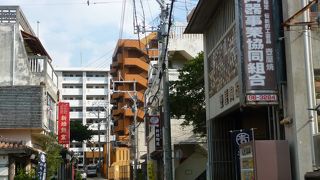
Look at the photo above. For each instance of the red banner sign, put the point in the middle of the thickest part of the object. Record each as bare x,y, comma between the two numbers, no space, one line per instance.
64,123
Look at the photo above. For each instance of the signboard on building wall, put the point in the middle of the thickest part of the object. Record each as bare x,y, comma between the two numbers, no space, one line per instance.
223,79
258,63
158,137
64,123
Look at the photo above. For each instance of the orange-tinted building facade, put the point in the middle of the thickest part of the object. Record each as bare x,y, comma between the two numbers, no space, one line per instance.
129,65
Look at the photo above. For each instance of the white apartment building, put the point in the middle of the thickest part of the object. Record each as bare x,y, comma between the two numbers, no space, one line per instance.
88,92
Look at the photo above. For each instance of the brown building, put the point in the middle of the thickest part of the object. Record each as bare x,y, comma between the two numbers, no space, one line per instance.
129,70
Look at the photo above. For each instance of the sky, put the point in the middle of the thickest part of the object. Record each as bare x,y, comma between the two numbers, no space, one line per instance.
76,34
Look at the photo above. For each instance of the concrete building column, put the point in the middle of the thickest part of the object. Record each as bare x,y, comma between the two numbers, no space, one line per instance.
299,132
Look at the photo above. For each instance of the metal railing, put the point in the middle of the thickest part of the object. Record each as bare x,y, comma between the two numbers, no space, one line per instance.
177,32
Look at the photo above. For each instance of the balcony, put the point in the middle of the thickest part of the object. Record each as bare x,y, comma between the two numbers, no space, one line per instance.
117,95
76,115
96,103
95,138
140,114
74,103
137,62
95,149
136,77
72,91
117,112
140,96
97,91
97,80
123,125
94,115
72,80
41,67
95,126
76,149
173,75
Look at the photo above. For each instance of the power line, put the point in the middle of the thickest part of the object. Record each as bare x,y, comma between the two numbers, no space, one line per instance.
122,18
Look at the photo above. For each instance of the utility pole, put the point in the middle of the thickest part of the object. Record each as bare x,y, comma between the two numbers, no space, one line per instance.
134,98
99,139
135,123
163,60
108,119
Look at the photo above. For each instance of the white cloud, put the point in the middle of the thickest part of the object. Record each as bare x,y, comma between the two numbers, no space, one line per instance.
69,28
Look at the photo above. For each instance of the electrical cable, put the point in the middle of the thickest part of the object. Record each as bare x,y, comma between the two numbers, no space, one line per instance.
122,18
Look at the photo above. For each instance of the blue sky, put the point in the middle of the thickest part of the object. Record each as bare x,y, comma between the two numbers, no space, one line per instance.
78,35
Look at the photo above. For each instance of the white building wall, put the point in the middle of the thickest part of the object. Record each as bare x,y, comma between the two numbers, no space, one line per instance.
86,92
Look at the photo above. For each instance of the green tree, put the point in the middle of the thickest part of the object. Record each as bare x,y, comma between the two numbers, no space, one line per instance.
187,95
49,144
80,132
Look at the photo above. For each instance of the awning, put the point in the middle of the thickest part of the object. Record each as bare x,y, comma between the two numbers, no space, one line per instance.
33,45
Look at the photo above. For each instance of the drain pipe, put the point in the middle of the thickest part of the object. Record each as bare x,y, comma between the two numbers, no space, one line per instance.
310,78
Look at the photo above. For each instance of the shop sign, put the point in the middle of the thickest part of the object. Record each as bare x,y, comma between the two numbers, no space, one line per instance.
238,137
42,167
259,70
158,137
153,120
150,170
64,123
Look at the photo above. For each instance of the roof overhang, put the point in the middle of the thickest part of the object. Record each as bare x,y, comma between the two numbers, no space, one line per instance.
201,16
33,45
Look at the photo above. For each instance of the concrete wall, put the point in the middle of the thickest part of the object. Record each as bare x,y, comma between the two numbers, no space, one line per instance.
192,167
13,58
17,135
21,107
299,132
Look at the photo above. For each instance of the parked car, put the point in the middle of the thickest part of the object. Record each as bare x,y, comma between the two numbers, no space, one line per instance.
91,170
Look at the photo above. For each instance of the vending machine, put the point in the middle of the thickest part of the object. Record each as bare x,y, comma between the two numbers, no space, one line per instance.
265,160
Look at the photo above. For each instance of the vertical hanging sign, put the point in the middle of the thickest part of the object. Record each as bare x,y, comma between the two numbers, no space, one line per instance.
64,123
238,137
259,73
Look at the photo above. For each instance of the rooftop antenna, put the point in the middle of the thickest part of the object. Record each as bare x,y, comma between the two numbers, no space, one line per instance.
81,58
38,22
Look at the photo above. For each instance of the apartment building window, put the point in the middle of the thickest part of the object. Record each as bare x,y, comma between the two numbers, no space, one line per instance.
71,97
95,74
95,109
96,86
90,121
71,86
76,109
96,97
76,120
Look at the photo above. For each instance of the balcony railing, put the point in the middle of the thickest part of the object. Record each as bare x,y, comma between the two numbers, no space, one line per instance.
94,114
72,91
41,65
95,126
97,80
96,103
97,91
177,32
72,80
74,103
95,138
76,115
173,75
